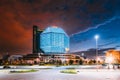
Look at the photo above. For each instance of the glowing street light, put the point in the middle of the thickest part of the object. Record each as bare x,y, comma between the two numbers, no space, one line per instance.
96,39
109,60
98,59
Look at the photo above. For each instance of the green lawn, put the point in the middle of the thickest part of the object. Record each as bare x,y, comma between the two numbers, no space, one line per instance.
23,71
69,71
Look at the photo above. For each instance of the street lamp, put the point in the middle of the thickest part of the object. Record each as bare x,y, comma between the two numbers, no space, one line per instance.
110,60
39,55
96,39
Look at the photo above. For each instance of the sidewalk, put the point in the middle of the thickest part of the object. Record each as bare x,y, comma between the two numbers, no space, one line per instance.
98,70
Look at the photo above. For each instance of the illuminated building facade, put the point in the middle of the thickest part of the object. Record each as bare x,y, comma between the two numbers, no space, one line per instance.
54,41
113,56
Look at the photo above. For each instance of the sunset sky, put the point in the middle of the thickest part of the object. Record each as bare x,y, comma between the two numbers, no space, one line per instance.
81,19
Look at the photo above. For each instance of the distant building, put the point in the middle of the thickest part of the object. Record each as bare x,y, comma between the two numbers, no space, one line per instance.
51,59
15,57
113,56
36,40
32,58
54,40
5,57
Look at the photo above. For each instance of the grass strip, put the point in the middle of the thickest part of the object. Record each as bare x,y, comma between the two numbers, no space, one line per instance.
24,71
69,71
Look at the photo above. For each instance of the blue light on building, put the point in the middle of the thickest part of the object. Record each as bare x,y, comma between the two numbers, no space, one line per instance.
54,40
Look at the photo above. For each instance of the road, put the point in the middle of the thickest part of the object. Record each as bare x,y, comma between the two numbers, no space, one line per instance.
54,74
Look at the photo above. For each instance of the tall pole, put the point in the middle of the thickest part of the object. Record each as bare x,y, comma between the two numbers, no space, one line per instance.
96,39
96,51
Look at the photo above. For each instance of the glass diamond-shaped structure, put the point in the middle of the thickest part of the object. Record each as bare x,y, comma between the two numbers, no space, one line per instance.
54,40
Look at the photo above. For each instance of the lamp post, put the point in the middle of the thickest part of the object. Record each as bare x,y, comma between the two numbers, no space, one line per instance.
96,39
110,60
39,55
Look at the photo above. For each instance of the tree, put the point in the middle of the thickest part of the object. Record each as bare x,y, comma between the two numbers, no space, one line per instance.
80,61
0,61
94,61
60,62
76,61
71,62
90,62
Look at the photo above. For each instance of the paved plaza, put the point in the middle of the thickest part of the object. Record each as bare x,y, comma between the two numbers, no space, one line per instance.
54,74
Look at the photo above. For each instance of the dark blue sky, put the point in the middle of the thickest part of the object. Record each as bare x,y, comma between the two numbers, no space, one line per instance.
109,36
81,19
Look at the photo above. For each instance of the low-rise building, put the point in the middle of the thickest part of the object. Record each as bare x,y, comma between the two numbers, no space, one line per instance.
113,56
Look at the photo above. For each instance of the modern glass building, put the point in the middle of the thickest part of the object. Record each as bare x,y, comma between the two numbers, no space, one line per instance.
54,41
36,40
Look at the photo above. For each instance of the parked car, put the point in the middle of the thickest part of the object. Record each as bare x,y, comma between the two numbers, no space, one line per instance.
6,67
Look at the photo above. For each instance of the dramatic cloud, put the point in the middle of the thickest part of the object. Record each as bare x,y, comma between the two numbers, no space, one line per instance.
18,16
